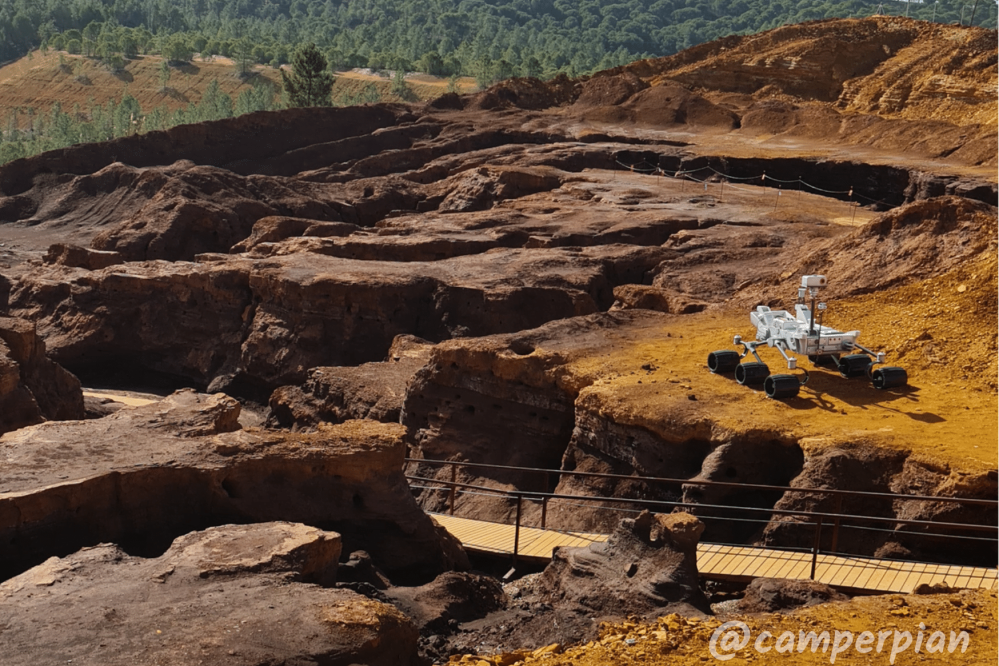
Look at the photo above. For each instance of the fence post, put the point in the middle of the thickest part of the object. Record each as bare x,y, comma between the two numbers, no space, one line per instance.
454,477
544,500
815,546
516,530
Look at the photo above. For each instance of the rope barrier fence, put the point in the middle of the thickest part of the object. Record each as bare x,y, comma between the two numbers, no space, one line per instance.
807,524
646,167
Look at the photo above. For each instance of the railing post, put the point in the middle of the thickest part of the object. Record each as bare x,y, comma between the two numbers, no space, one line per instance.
454,487
516,530
815,546
835,534
544,511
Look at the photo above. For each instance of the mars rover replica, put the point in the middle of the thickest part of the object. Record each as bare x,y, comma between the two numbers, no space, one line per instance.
799,333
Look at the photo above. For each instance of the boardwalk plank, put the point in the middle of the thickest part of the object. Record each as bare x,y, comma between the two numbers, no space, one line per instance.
739,562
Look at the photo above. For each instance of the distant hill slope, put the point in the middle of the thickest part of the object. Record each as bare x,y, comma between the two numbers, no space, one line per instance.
898,85
39,81
525,37
890,67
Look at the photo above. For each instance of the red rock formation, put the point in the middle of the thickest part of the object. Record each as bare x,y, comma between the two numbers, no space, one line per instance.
338,394
143,476
32,388
250,326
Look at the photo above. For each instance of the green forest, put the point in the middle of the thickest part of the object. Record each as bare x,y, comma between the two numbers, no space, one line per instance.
489,40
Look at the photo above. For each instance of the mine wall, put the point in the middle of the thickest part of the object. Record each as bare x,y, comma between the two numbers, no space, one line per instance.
879,186
474,398
224,321
248,325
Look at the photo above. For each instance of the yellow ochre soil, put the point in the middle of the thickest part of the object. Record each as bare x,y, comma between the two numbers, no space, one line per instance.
941,330
676,641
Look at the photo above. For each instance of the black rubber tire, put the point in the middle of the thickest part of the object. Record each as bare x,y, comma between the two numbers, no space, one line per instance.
723,361
854,365
824,360
749,374
781,387
889,377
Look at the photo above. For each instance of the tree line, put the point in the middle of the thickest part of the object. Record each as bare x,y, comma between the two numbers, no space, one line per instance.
28,131
488,40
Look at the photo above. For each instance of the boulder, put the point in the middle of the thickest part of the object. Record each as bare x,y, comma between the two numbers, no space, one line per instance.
234,595
81,257
769,595
647,567
278,227
450,599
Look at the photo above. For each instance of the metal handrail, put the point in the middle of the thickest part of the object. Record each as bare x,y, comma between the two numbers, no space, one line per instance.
530,495
819,517
697,482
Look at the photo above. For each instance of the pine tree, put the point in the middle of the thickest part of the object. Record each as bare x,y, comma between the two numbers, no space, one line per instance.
164,75
310,84
400,88
214,104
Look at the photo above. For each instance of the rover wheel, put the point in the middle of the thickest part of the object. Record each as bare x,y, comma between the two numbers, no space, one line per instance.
781,387
749,374
889,377
854,365
723,361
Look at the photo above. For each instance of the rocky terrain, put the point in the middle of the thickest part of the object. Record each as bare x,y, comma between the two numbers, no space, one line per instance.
227,595
32,387
142,477
530,276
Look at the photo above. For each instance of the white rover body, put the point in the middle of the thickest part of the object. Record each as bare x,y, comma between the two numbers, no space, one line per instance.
799,333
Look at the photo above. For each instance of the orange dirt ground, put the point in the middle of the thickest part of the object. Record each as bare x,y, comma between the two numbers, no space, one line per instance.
675,641
942,330
943,336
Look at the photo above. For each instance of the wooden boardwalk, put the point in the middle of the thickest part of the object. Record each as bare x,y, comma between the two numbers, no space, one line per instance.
736,563
535,544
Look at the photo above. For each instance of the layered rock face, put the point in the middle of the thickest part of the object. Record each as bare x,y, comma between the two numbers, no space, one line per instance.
254,325
531,231
143,476
626,393
337,394
32,387
234,594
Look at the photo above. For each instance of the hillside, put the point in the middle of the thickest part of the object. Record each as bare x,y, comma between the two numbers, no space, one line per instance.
42,79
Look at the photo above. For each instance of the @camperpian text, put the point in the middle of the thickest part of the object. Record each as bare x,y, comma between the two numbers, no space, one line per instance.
736,637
